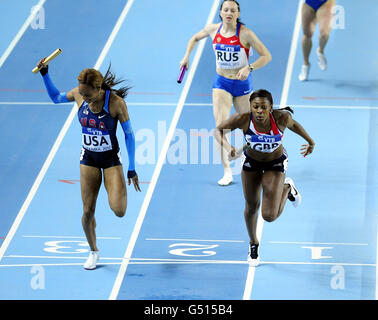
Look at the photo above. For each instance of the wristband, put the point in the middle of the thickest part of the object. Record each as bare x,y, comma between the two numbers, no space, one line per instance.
131,174
44,70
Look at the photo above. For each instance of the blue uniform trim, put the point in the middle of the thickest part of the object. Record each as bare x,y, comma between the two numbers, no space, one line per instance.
55,95
315,4
130,143
235,87
237,29
106,106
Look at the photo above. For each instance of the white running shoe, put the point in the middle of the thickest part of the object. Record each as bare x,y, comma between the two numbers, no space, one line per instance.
303,76
226,180
294,196
322,61
91,262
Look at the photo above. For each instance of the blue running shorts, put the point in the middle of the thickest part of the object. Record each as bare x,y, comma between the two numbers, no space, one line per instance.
235,87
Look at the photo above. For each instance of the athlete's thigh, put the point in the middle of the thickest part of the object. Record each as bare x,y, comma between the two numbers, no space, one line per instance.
272,185
241,103
115,184
251,181
90,183
324,16
308,20
222,102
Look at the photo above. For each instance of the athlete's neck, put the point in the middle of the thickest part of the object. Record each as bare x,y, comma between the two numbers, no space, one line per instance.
262,125
229,28
97,105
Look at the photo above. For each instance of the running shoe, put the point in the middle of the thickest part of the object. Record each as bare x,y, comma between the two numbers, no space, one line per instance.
253,257
226,180
91,262
303,76
294,196
322,61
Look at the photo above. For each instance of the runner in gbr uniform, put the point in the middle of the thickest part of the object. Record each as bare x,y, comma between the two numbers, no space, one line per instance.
313,12
265,161
100,109
232,43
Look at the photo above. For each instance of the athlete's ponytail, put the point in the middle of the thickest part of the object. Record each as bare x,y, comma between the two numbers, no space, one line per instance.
287,108
109,81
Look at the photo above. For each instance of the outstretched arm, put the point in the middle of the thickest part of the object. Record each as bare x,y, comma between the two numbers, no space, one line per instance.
193,42
55,95
237,120
298,129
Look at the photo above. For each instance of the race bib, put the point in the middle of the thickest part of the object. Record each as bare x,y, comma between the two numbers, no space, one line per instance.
96,140
265,143
229,56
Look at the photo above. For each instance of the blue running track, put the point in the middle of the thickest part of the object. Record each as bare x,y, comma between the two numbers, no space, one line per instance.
184,237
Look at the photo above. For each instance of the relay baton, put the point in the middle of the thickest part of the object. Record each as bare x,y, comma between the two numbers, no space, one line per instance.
182,73
48,60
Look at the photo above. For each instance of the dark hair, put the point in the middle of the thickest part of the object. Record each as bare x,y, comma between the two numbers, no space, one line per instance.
237,3
109,81
262,93
96,80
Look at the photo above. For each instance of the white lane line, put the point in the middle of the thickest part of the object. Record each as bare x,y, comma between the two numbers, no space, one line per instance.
20,33
376,272
58,141
54,257
51,264
293,50
161,239
69,237
326,243
161,160
182,261
299,106
285,91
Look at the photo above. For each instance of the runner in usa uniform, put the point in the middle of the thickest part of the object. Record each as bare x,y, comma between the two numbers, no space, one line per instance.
100,109
233,44
313,12
265,161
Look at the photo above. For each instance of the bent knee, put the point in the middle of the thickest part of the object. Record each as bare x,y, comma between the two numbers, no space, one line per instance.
324,32
269,216
252,208
88,213
119,211
307,34
119,214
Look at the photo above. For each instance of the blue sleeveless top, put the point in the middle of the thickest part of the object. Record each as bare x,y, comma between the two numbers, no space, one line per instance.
98,129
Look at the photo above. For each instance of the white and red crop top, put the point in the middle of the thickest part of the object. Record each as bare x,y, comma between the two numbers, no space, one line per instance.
265,142
229,52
